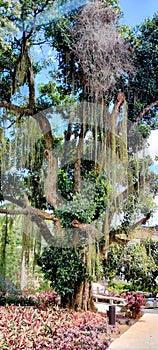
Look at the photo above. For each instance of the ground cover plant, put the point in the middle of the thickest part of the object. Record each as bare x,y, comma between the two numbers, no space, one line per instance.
52,328
37,322
43,299
49,298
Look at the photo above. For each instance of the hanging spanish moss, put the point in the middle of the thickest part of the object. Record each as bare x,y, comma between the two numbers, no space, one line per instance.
22,156
4,238
31,249
21,144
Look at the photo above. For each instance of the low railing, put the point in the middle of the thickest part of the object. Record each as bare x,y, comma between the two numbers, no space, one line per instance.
109,299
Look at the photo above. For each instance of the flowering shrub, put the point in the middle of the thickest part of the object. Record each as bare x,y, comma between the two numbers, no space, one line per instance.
135,303
47,298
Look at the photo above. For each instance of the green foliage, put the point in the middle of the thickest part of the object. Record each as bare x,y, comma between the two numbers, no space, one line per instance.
129,208
134,263
143,86
81,208
152,249
16,244
144,129
113,260
10,299
155,184
64,268
139,267
120,287
91,202
9,255
10,13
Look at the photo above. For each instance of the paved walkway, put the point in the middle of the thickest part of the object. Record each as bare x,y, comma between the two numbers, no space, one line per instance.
143,335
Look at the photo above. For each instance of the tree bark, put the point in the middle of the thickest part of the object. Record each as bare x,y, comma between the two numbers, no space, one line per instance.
146,109
83,298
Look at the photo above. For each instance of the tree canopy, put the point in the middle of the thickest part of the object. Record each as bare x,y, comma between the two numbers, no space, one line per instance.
136,263
72,160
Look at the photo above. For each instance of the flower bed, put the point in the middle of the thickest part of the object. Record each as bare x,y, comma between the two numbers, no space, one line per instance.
50,328
53,328
35,322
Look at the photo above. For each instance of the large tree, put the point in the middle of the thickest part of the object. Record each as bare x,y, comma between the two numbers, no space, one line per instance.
96,171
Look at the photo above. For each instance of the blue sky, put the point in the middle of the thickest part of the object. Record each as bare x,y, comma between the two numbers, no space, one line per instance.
135,11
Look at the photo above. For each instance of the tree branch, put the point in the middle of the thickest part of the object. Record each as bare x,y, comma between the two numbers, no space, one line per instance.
146,109
141,221
113,235
43,42
30,211
39,9
119,101
35,215
45,128
88,228
15,108
113,238
39,117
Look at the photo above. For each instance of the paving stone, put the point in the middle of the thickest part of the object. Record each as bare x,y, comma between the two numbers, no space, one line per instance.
143,335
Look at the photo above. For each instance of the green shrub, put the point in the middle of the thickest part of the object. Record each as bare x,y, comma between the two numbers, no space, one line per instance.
64,268
9,299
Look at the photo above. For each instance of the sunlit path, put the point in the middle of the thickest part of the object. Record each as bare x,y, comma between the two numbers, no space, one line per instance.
141,336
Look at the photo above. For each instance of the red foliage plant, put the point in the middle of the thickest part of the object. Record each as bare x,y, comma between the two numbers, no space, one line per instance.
135,303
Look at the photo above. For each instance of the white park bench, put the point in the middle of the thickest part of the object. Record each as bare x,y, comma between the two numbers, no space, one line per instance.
99,294
110,299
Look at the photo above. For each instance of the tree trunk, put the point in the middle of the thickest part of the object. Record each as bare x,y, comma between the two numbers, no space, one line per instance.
83,298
